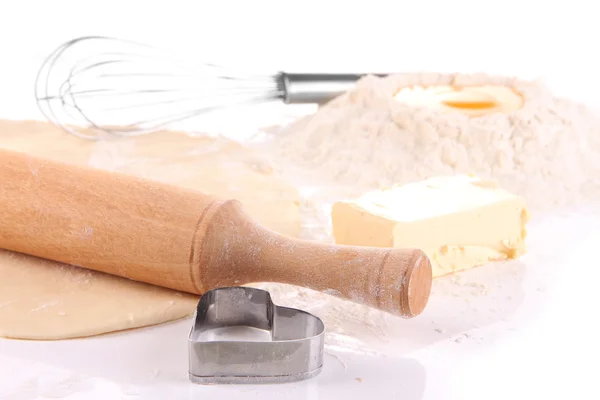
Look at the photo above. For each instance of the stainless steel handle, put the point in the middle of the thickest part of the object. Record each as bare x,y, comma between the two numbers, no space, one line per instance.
315,88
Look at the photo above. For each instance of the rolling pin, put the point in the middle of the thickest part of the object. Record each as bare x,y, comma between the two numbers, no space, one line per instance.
186,240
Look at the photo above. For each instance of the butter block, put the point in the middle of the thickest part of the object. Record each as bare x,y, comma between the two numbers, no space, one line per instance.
460,222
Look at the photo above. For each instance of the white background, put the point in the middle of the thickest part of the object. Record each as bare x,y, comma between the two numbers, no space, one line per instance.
548,347
556,41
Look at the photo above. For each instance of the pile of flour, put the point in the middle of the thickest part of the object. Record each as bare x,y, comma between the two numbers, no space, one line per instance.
548,151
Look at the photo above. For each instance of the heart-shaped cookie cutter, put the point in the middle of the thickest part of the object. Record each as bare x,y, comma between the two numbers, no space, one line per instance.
292,349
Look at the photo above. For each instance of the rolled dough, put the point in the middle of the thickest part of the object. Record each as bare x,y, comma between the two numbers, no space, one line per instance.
40,299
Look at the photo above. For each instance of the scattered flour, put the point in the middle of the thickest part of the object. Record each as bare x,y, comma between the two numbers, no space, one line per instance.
547,151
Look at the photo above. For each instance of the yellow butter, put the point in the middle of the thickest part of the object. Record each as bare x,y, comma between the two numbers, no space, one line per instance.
460,222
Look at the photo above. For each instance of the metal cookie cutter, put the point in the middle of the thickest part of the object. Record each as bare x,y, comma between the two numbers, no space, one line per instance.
291,348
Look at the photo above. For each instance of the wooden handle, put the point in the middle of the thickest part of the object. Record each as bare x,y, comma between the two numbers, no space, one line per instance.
186,240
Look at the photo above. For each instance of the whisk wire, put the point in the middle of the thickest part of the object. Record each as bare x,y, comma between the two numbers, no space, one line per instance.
95,86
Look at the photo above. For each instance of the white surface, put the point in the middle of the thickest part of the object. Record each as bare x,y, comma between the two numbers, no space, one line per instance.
532,334
542,344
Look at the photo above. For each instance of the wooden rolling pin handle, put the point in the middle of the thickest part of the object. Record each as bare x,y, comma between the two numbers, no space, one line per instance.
233,249
185,240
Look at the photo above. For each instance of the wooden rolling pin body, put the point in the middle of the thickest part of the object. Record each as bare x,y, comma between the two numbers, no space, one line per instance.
185,240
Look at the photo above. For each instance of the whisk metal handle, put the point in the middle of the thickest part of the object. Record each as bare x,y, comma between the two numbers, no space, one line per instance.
315,87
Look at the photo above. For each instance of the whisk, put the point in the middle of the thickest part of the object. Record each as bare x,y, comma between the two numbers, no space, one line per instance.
97,86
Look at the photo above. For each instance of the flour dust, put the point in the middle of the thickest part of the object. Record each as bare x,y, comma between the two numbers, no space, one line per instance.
548,152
